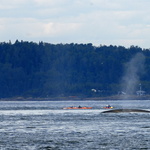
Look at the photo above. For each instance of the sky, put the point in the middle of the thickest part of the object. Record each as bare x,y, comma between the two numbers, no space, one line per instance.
100,22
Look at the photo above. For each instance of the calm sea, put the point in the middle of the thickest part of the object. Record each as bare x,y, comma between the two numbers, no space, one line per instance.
45,125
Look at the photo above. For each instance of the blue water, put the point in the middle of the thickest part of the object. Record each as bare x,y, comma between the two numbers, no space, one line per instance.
46,126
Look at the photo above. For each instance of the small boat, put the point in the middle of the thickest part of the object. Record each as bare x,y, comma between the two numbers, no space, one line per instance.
77,107
108,107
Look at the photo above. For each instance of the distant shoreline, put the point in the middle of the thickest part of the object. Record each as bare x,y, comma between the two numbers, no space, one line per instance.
76,98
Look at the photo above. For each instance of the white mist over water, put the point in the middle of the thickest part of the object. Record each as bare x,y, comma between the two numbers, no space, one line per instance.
134,69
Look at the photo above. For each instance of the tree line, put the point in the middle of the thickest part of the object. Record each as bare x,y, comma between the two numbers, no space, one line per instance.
42,69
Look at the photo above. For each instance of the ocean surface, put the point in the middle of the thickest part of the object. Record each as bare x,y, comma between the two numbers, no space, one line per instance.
45,125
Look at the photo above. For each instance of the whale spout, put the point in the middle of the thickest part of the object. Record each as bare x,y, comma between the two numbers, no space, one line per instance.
126,111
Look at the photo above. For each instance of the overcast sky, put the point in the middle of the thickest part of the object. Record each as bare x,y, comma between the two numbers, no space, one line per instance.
100,22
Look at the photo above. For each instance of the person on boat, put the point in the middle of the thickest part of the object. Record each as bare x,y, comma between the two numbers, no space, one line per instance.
108,106
79,106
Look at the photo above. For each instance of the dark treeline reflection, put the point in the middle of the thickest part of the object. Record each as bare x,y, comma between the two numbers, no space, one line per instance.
48,70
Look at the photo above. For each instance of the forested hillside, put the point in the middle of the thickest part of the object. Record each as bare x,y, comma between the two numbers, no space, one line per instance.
41,69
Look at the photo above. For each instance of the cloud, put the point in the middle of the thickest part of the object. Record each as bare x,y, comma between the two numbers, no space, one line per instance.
107,22
60,28
6,4
29,28
47,3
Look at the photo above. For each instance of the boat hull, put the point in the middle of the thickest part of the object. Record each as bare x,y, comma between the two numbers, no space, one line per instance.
78,108
107,107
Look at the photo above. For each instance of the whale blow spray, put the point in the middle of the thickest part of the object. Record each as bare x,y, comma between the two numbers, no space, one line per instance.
134,69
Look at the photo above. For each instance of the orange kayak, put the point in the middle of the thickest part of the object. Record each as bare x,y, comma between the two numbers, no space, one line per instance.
77,108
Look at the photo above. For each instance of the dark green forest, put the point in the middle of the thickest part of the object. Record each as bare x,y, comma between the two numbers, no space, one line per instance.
29,69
